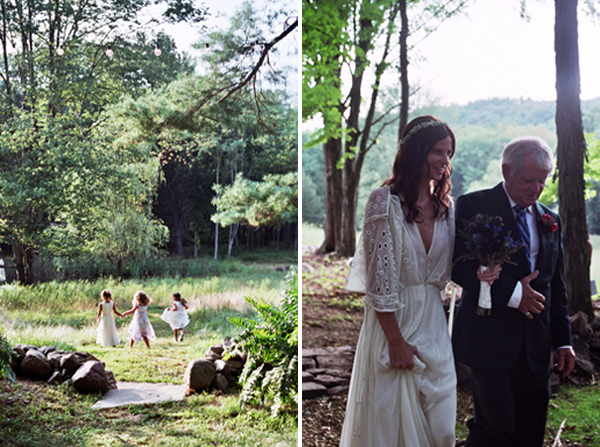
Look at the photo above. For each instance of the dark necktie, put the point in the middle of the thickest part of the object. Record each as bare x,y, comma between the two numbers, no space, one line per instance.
523,228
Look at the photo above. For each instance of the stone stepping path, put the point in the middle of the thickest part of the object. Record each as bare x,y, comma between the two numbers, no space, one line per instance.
326,371
132,393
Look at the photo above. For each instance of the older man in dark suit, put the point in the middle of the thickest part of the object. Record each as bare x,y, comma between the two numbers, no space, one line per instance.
509,351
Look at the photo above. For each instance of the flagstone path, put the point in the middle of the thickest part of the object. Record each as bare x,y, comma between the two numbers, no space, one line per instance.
129,393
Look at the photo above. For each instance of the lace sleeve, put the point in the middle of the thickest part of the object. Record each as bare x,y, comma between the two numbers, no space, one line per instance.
374,270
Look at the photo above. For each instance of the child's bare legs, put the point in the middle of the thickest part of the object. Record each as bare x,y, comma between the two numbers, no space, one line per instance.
176,335
146,341
131,343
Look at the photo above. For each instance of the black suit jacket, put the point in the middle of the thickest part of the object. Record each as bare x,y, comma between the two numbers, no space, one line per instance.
492,343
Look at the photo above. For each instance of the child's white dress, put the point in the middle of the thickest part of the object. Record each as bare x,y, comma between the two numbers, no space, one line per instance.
140,325
107,331
178,319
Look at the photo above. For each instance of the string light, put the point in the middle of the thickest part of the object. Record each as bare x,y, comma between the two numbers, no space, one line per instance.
207,49
60,51
157,51
257,47
109,53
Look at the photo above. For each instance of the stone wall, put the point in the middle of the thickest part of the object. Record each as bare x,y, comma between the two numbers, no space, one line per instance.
326,371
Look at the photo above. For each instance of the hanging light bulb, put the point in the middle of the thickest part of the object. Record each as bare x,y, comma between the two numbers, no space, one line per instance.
109,53
207,49
157,51
60,51
257,47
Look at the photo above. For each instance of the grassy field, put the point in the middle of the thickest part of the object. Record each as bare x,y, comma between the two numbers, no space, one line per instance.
64,315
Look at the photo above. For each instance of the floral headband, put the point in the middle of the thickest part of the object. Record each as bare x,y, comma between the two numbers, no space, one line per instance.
415,130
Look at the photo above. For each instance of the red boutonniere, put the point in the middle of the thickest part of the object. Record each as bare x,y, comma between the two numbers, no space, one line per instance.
549,223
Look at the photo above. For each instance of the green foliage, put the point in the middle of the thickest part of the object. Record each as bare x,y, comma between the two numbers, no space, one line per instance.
6,356
591,175
271,370
313,183
272,202
125,233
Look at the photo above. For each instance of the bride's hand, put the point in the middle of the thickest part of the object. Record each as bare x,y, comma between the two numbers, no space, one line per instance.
489,275
402,355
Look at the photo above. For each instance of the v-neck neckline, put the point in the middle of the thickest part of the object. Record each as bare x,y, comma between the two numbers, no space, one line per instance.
425,250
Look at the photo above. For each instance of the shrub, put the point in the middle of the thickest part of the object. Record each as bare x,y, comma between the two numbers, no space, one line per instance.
270,375
6,356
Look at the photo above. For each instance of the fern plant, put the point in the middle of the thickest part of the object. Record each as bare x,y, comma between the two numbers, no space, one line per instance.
6,356
270,375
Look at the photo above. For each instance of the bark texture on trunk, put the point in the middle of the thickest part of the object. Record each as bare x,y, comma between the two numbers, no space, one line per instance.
570,156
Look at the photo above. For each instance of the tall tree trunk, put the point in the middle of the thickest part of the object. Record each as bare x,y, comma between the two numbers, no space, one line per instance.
404,86
347,244
233,229
120,269
570,155
4,41
332,150
23,259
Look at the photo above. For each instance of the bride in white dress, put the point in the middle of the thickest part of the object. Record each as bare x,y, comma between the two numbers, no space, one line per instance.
403,387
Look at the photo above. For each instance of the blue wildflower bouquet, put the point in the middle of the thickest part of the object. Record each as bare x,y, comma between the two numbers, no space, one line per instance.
487,242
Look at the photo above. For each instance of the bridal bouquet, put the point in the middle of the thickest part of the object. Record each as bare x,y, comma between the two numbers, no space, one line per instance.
487,242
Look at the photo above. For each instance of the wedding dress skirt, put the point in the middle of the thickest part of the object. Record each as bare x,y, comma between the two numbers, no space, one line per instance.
389,407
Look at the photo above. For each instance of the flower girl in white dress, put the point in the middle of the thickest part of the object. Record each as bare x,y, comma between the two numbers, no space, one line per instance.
176,316
140,327
107,331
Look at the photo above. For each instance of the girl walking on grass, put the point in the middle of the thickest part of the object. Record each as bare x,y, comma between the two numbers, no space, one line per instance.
140,327
107,331
176,316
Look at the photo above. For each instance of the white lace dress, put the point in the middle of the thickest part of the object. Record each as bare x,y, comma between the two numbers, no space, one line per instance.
388,407
107,331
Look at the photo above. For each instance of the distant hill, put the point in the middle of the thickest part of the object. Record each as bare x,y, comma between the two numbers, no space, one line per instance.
482,129
501,112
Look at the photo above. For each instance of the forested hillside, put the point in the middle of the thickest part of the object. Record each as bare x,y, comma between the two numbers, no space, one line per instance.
482,129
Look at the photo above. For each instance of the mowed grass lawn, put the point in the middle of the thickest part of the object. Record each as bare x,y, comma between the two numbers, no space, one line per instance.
64,315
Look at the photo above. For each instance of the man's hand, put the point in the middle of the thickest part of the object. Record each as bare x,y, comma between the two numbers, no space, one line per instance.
566,360
532,302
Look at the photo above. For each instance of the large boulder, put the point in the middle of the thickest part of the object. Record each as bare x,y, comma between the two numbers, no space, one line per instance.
91,378
579,325
55,358
221,366
56,378
19,355
199,374
112,382
220,382
70,363
35,365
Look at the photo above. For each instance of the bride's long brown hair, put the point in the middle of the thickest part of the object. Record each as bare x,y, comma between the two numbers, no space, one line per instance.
418,138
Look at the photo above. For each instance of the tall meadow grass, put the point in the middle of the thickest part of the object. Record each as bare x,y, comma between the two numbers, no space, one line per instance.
65,312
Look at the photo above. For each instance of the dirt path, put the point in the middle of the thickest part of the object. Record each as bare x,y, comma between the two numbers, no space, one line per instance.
330,317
